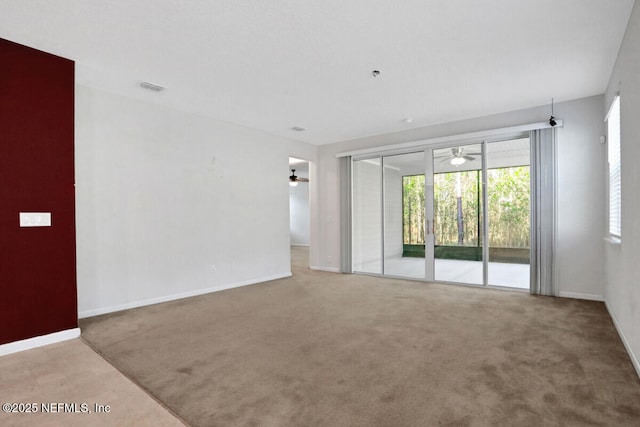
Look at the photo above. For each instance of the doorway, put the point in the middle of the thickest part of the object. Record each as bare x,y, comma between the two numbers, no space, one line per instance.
299,212
459,214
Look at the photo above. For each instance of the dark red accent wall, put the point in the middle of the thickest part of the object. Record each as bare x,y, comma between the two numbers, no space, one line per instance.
37,264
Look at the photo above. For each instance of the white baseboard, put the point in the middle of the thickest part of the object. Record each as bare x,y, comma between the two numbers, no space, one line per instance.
634,359
329,269
29,343
151,301
576,295
300,244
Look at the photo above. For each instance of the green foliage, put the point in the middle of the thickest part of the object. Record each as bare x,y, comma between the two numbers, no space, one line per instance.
445,208
508,197
413,209
509,212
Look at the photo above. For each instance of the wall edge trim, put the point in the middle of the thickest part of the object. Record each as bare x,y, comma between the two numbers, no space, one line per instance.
172,297
578,295
634,359
329,269
40,341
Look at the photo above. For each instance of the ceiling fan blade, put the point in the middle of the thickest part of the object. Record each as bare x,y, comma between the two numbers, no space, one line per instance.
302,179
468,158
446,159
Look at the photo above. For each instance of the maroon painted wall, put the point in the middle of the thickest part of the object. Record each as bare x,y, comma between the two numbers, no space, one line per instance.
37,264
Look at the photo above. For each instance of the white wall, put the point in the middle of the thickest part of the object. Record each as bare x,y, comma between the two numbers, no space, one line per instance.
579,268
171,204
623,261
299,214
581,183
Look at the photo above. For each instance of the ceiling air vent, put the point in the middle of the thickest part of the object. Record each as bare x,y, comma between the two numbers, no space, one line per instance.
151,86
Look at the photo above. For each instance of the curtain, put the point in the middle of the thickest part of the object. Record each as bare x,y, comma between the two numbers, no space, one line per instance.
345,214
543,210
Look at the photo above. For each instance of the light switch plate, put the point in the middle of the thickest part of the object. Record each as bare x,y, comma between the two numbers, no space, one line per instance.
35,219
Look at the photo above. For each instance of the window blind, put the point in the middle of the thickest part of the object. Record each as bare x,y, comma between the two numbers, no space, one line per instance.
613,156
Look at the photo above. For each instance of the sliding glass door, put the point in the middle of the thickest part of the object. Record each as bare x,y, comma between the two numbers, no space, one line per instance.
475,245
404,215
456,214
367,215
509,211
388,226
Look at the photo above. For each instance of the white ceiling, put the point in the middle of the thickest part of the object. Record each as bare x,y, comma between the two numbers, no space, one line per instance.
275,64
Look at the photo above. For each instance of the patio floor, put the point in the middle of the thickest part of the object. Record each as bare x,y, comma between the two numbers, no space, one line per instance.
449,270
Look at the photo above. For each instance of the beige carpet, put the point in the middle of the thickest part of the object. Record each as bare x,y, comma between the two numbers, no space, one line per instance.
323,349
69,372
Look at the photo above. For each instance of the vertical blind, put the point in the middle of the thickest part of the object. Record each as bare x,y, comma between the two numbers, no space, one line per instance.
543,210
345,215
613,156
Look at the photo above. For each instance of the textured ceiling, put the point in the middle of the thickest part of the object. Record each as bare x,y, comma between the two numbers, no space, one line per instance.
275,64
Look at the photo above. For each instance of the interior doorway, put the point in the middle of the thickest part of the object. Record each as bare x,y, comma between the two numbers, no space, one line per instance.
299,211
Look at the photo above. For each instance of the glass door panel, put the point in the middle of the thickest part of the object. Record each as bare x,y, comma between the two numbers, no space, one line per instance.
457,214
508,208
367,216
404,215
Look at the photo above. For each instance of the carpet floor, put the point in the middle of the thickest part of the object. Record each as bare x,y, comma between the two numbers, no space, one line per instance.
70,372
324,349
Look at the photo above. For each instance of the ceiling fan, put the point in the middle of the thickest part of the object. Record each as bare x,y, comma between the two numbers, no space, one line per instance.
294,179
458,156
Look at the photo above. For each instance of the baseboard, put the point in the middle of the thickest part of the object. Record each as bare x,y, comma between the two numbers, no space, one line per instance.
29,343
576,295
634,359
300,244
158,300
329,269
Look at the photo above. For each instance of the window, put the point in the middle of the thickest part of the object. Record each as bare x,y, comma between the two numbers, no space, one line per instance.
613,156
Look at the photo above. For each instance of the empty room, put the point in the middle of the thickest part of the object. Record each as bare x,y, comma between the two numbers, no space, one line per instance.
286,213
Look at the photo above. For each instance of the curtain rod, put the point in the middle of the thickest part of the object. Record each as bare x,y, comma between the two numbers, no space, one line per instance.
451,138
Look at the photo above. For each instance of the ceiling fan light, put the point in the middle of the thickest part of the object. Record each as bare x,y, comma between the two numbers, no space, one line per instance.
293,183
457,161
